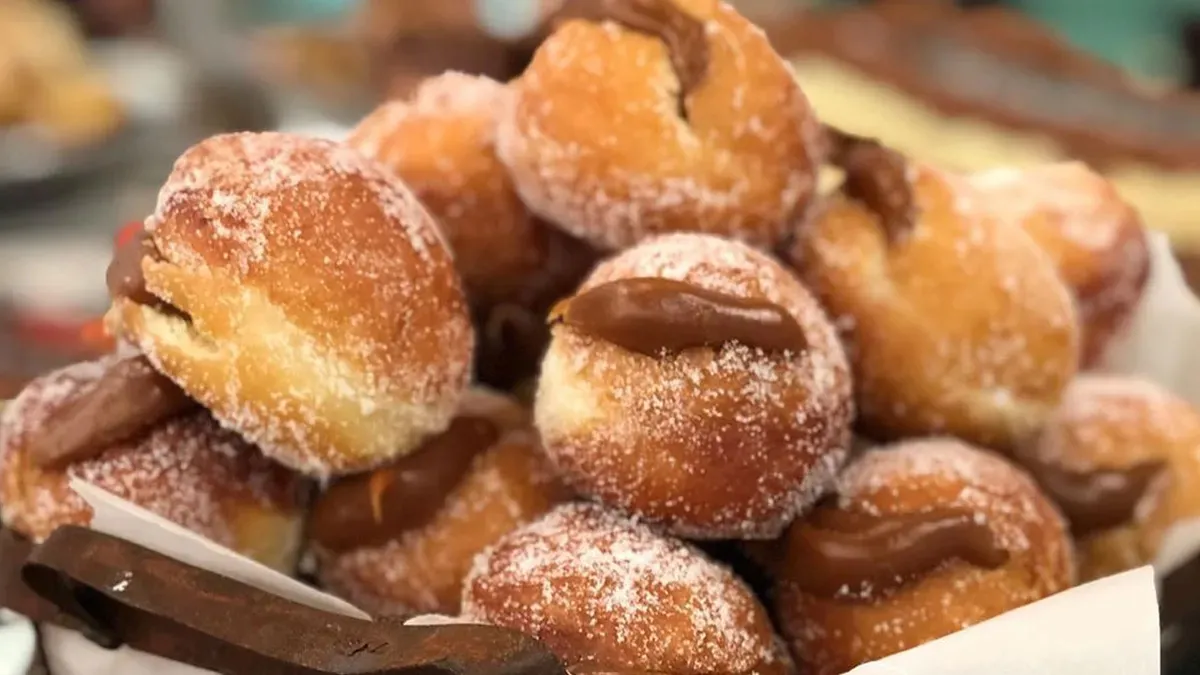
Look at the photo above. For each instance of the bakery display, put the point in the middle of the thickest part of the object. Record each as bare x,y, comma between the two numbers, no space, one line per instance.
1095,238
644,117
921,539
608,595
956,323
46,80
694,382
398,541
586,361
303,295
170,457
1120,458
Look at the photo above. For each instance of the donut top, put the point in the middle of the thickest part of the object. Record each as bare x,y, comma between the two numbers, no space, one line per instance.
685,37
622,581
128,399
654,315
186,469
1107,446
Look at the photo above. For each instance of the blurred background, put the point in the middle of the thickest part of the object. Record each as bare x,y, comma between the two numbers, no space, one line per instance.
97,97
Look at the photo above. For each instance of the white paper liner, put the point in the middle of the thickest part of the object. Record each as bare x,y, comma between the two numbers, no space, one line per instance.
69,653
1106,627
18,643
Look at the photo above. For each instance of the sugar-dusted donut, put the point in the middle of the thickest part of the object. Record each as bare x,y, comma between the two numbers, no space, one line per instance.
610,596
184,468
301,293
955,322
1121,457
399,541
644,117
694,382
922,539
1095,238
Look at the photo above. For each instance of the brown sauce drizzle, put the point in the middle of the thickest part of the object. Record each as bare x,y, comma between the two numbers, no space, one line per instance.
652,315
878,177
1093,500
375,508
683,34
129,399
836,553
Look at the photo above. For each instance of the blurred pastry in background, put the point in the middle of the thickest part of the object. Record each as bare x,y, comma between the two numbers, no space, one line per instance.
1094,237
328,62
46,80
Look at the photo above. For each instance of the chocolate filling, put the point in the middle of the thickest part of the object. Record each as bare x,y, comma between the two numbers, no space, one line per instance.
838,553
130,398
1093,500
375,508
683,34
878,177
651,316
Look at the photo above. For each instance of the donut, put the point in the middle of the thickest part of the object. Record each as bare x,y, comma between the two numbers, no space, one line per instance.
922,538
441,142
1094,237
693,382
955,324
302,294
185,468
609,596
400,540
1119,457
644,117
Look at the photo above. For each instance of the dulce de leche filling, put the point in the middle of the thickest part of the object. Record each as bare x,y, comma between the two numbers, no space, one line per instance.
1094,500
652,315
128,399
877,176
684,35
375,508
124,276
837,553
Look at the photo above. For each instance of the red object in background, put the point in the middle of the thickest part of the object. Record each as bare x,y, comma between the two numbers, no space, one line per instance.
127,232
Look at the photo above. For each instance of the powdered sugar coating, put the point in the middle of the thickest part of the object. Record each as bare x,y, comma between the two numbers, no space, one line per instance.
595,142
187,470
603,592
830,636
725,443
329,326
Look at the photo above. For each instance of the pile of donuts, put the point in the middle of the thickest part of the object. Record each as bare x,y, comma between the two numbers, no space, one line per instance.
589,355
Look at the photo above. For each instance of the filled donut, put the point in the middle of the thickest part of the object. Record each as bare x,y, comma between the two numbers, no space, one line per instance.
955,322
922,539
73,424
1120,459
644,117
1095,238
693,382
610,596
301,293
399,541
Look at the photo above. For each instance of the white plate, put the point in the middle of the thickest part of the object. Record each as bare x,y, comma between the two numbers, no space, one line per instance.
18,644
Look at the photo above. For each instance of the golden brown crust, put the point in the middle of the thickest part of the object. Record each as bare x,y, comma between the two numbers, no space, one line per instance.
422,571
441,142
596,145
1095,239
962,328
326,321
187,470
608,595
1108,422
710,444
832,636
